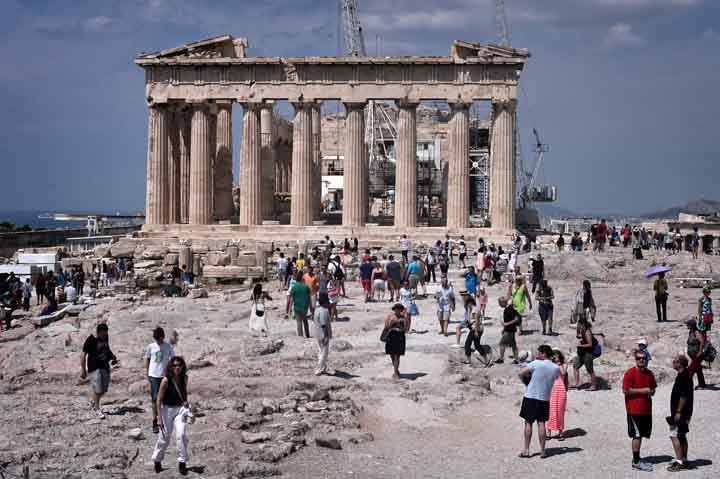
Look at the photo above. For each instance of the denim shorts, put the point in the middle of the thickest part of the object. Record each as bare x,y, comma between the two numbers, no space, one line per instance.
154,387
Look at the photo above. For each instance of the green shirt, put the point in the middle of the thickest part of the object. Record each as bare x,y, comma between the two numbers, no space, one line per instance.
300,293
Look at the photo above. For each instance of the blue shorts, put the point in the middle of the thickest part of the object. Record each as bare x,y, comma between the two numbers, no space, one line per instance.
154,387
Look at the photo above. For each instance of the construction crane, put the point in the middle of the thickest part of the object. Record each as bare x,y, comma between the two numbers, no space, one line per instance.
354,41
501,24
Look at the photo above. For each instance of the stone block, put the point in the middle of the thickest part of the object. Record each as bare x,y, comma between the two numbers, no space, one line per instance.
125,248
171,259
217,245
101,251
225,272
217,259
155,252
245,260
233,251
256,271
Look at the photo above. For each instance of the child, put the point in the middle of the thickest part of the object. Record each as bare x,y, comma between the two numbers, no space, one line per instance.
482,301
333,294
642,345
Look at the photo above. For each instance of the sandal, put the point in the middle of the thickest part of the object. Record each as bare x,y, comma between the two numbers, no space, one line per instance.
524,455
561,437
543,455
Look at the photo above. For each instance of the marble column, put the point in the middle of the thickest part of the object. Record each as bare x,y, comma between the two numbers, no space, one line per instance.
223,173
173,204
301,202
406,167
251,167
277,188
354,167
212,135
502,166
201,193
285,164
156,211
184,117
458,199
268,159
317,158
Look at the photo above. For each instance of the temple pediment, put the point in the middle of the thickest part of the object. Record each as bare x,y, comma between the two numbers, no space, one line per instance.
464,50
224,46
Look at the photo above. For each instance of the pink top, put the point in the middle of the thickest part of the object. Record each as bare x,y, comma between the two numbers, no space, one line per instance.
482,299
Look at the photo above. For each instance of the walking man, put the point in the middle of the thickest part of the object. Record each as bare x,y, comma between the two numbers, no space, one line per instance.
404,248
157,356
323,332
639,387
681,409
446,304
661,295
511,319
95,363
300,293
542,373
394,275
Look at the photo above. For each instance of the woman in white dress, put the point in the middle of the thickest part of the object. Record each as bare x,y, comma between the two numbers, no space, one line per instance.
258,312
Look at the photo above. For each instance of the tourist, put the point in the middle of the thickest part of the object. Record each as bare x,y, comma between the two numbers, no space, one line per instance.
335,268
560,243
473,322
462,250
538,271
404,247
695,242
576,243
323,332
355,245
519,295
601,234
157,355
660,286
300,262
366,272
542,373
70,293
346,246
545,298
639,387
588,301
300,295
27,294
313,282
281,268
40,288
558,398
430,263
95,363
472,280
681,409
423,272
258,312
175,412
482,301
122,268
511,319
104,274
378,283
705,311
414,271
394,278
642,346
449,246
405,295
396,325
626,235
444,265
696,341
333,293
445,298
586,342
637,245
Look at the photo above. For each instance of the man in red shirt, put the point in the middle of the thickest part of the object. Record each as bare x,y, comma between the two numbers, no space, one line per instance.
639,386
602,232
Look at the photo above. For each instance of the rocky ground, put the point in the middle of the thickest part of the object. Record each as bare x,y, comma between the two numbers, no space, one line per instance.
262,412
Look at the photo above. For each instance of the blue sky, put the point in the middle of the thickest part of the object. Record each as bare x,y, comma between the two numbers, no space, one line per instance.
624,91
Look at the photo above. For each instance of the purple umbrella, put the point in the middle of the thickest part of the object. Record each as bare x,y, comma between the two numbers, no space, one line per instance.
657,270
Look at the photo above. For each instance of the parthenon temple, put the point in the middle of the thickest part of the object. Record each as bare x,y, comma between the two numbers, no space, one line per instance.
192,90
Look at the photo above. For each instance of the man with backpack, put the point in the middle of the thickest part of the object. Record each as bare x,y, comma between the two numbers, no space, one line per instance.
336,270
639,387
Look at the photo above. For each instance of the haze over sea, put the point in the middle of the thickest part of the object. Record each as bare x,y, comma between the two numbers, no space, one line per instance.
30,217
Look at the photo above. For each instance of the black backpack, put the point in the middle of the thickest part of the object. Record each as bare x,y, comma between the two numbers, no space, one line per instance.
338,273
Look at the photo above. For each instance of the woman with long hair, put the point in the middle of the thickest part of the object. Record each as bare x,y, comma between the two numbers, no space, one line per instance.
558,398
174,408
397,324
258,313
584,356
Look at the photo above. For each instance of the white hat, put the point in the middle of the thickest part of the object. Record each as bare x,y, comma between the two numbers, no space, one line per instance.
642,341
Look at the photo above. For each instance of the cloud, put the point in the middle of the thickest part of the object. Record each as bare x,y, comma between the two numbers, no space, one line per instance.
98,24
622,35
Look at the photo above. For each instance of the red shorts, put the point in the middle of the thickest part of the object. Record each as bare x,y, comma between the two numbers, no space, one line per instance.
366,285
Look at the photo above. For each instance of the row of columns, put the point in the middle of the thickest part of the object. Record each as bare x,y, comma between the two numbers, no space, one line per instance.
190,165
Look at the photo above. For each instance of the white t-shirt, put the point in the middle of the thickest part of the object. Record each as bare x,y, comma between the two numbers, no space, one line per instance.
70,293
405,297
544,374
282,265
405,244
159,355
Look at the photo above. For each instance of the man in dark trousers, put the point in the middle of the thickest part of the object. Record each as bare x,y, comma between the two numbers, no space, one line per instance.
95,363
681,409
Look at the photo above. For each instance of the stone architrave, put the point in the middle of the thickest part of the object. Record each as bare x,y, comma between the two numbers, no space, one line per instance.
201,192
317,158
502,170
268,159
156,211
174,175
251,167
223,173
355,167
184,118
406,166
301,173
458,199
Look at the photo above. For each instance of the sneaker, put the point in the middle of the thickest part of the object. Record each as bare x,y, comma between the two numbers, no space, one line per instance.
182,468
99,414
499,361
642,466
677,466
455,346
318,372
158,467
155,427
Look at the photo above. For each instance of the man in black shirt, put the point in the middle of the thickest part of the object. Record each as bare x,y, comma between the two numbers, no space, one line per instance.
97,356
511,319
681,409
394,273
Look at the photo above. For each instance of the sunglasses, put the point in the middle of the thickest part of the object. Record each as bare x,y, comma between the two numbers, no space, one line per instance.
640,359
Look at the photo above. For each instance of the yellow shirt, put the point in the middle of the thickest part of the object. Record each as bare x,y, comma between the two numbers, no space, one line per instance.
300,263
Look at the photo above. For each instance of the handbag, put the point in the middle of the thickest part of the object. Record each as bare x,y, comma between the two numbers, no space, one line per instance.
259,309
185,411
384,335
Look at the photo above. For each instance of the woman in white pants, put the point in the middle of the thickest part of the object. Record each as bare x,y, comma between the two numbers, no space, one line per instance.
172,403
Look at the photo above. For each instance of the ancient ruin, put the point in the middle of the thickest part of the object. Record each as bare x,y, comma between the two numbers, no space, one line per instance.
192,89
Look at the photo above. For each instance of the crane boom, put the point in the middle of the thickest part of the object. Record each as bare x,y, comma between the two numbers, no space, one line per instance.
501,23
354,41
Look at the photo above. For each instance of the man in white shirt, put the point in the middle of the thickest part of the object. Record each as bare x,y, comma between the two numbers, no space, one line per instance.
70,293
445,298
282,263
404,248
157,356
539,376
